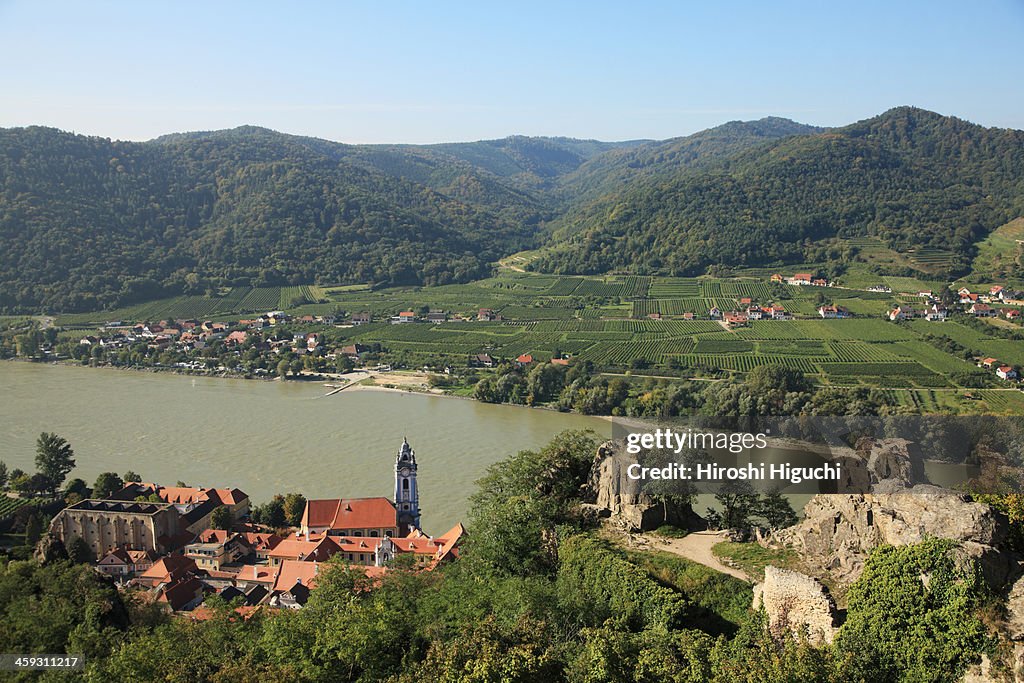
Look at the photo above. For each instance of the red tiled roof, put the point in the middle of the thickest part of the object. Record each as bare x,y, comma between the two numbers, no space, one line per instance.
181,593
350,513
259,573
168,568
292,572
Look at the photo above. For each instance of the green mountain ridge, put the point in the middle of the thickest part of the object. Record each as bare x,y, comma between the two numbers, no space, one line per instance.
910,177
88,223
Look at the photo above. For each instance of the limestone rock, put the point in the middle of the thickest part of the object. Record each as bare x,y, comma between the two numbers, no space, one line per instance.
881,466
798,603
840,530
622,498
49,549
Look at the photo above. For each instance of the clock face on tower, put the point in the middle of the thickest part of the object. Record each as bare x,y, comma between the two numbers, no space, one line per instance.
405,471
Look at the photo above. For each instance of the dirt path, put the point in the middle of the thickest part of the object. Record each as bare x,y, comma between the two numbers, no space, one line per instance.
697,546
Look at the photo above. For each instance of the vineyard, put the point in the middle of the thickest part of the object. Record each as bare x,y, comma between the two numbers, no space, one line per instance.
611,322
8,506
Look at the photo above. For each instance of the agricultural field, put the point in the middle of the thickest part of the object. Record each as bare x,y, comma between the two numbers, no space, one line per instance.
605,320
9,505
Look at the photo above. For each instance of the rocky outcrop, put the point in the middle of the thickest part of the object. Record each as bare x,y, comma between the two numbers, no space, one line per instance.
621,498
840,530
49,549
796,603
881,466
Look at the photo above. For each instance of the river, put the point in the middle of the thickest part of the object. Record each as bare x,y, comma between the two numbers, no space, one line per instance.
266,437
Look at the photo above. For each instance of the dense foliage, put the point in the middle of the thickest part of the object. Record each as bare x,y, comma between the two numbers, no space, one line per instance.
89,223
579,609
910,177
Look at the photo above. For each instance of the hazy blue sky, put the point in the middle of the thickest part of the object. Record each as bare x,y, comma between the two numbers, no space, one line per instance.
441,71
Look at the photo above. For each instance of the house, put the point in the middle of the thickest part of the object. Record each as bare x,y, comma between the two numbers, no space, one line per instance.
901,313
996,291
560,361
925,294
482,360
1006,372
968,298
294,583
819,282
194,504
363,318
754,313
654,316
746,301
167,570
437,317
1011,313
304,549
183,595
988,362
829,311
353,350
487,315
937,312
217,552
880,288
403,317
371,517
776,277
981,311
252,575
715,313
235,338
734,319
776,312
689,316
801,279
524,359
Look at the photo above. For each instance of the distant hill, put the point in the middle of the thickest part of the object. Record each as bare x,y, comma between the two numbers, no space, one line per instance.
87,223
910,177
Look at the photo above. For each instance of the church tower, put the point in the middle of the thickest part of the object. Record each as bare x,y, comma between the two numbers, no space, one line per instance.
407,497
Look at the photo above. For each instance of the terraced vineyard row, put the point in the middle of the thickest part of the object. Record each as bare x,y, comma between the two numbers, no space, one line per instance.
664,287
261,299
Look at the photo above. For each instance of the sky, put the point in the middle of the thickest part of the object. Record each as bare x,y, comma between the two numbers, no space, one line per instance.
421,72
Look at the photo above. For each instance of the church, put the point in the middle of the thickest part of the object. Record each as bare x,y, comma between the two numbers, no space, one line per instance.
370,517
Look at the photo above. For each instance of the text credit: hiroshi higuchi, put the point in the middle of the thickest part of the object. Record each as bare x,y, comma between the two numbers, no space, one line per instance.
734,442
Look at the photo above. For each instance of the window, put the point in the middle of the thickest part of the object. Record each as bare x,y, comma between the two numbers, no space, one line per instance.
405,484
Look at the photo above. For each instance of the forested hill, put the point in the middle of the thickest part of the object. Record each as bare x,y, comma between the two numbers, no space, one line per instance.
610,172
910,177
86,222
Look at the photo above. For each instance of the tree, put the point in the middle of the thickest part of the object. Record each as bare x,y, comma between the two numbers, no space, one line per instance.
282,369
220,518
294,506
54,458
33,530
78,486
272,514
776,510
3,474
79,551
106,484
131,476
739,500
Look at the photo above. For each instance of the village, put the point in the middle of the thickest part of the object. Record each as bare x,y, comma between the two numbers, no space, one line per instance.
178,545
